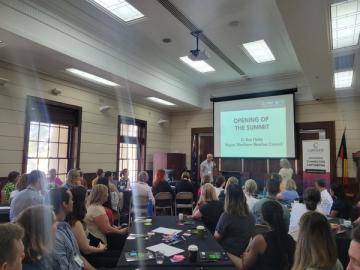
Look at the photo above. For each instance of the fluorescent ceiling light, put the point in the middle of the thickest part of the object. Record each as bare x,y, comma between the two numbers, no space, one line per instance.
259,51
91,77
200,66
161,101
343,79
120,9
345,23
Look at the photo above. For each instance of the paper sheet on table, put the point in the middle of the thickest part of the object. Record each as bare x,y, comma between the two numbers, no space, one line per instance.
167,250
164,230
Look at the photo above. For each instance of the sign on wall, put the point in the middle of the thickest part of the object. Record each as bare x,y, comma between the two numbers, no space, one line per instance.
316,161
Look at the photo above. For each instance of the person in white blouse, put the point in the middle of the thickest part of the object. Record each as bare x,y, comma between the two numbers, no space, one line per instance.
286,173
326,199
250,189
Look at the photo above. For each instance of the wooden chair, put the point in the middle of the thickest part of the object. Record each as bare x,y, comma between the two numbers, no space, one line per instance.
163,201
184,196
138,207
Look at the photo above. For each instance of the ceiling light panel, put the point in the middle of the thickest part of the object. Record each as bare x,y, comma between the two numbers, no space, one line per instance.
161,101
343,79
345,23
200,66
259,51
90,77
120,9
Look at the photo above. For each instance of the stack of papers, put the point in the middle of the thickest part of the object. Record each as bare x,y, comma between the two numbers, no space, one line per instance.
167,250
164,230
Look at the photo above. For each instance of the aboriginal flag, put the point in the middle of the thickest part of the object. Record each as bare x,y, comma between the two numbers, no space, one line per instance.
343,156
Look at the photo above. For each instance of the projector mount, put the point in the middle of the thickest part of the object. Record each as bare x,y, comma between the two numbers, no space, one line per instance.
196,34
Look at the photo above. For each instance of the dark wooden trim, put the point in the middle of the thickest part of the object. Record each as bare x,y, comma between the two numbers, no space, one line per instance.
255,95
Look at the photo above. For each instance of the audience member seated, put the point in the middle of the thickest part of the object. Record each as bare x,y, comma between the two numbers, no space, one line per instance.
11,246
161,185
236,225
230,181
209,208
99,174
285,173
115,196
273,188
219,184
53,179
124,181
205,179
273,250
73,178
354,250
97,222
315,248
9,187
312,199
250,189
96,255
29,196
67,253
341,208
326,200
290,194
110,212
184,185
39,226
141,188
21,184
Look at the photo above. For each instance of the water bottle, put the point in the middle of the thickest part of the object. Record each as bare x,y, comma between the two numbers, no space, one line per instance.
149,208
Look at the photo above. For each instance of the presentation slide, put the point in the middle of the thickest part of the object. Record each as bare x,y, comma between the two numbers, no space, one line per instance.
255,128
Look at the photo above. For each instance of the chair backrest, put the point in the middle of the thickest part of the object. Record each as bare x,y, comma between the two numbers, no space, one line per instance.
163,196
184,196
139,201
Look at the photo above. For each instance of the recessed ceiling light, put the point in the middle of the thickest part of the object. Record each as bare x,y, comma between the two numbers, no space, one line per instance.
343,79
90,77
120,9
200,66
259,51
345,23
161,101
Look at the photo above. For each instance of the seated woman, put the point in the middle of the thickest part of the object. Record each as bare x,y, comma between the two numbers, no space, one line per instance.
219,184
141,188
315,248
112,204
312,199
9,187
341,207
39,227
290,194
231,180
160,184
205,179
273,250
209,208
250,193
184,185
97,222
236,225
21,184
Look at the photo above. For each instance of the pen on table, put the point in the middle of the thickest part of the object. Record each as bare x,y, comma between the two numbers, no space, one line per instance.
183,238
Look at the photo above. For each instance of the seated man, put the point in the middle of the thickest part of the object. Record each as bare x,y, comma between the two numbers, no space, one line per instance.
11,247
273,188
67,253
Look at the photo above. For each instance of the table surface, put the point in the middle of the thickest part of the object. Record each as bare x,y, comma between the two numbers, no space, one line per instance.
206,243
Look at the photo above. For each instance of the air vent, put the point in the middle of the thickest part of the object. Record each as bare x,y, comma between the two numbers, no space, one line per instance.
344,62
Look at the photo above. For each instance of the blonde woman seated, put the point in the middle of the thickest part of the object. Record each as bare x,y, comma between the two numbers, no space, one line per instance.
209,208
73,178
98,224
286,173
231,180
289,195
250,189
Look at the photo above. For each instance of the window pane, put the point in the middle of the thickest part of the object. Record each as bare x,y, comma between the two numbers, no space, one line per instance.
53,164
62,150
32,151
31,165
64,135
43,164
43,149
135,131
34,131
62,166
54,133
53,151
44,132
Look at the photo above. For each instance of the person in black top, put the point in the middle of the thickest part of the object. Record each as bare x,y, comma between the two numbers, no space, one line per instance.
209,208
340,208
161,185
273,250
184,185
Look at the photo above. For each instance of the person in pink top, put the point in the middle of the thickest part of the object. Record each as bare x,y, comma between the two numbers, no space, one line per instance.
53,179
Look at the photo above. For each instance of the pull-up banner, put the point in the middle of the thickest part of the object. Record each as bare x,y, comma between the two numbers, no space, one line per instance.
316,161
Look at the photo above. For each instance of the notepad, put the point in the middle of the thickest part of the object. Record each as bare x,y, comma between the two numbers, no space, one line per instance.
164,230
167,250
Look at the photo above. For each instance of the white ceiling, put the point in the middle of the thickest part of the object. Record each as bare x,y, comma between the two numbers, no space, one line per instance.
297,32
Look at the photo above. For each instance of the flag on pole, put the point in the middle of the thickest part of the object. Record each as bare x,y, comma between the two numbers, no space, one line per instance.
343,156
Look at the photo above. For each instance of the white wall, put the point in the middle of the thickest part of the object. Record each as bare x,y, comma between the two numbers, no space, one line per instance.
99,130
344,111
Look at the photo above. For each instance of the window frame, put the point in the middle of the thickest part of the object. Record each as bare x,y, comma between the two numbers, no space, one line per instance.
141,124
74,137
